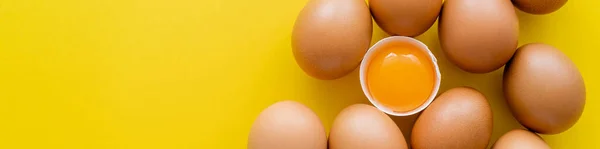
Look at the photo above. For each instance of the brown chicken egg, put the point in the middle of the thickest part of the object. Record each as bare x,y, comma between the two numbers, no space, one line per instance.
405,17
479,36
459,118
539,6
519,138
544,89
362,126
330,37
289,125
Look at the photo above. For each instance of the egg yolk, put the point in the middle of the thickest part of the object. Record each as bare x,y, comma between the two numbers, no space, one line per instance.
400,77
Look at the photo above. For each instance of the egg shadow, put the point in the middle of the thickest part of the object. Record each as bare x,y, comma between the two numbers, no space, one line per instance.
406,123
346,91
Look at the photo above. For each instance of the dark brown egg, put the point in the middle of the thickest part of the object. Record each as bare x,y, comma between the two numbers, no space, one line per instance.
479,36
539,6
289,125
459,118
544,89
519,138
363,126
330,37
405,17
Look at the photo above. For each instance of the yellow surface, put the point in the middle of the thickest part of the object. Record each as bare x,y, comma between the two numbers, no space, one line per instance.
195,73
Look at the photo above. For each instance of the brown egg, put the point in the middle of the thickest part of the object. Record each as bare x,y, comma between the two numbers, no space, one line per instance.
459,118
330,37
405,17
289,125
539,6
544,89
362,126
520,138
479,36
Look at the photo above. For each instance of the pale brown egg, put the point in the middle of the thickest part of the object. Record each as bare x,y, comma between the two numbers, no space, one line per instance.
362,126
544,89
289,125
405,17
459,118
330,37
539,6
478,36
519,138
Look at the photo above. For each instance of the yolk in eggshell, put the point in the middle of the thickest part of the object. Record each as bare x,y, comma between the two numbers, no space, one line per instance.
400,77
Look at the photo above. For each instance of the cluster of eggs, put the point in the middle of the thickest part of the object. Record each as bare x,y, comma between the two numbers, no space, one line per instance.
542,86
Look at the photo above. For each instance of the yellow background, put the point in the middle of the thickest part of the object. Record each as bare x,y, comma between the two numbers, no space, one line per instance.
195,73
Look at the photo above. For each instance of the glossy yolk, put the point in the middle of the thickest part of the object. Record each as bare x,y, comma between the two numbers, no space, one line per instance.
400,77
